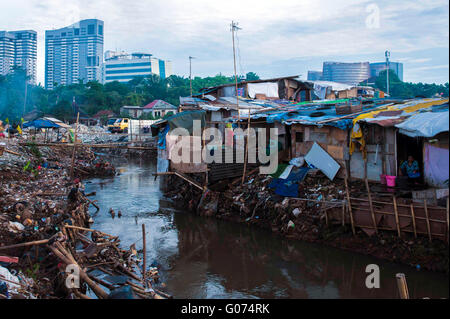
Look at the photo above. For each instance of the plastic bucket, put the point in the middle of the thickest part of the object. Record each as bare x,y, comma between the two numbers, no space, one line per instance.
390,180
383,179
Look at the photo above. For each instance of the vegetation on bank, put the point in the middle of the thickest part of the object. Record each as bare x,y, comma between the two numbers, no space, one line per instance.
405,90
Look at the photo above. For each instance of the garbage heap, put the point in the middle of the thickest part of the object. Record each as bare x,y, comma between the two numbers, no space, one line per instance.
47,249
258,201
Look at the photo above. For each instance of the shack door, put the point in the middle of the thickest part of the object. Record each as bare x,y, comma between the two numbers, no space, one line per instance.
407,146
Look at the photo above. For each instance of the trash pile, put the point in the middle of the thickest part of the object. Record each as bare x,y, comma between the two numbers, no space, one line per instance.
98,135
263,200
47,249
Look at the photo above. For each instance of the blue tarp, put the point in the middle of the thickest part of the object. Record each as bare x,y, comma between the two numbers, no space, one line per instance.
289,187
162,138
41,123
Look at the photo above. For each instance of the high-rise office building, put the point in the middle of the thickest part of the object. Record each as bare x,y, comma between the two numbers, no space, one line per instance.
18,49
349,73
376,68
314,75
123,67
74,53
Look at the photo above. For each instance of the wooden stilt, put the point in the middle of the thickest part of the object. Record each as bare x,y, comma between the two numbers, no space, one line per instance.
397,222
144,249
402,286
371,206
427,219
413,218
343,214
349,206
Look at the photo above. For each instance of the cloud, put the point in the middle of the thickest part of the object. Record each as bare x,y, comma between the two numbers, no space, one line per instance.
273,32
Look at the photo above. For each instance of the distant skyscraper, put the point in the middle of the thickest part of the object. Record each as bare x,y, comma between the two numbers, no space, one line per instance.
18,49
314,75
376,68
123,67
74,53
349,73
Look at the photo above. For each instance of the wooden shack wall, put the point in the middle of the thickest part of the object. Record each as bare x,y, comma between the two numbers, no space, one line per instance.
379,161
332,139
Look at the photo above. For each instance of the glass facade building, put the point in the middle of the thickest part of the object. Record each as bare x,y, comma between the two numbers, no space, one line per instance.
349,73
74,53
123,67
18,49
314,75
376,68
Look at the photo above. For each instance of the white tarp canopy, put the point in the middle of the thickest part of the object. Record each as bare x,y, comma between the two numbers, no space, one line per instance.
427,124
321,87
270,89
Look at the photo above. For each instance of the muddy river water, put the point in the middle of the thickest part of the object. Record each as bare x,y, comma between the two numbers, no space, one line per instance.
202,257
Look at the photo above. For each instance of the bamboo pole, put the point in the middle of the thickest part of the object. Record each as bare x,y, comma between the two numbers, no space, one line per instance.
246,148
11,152
67,259
343,214
398,205
413,217
390,229
189,180
74,145
349,206
427,219
30,243
144,248
402,215
448,205
371,206
397,222
402,286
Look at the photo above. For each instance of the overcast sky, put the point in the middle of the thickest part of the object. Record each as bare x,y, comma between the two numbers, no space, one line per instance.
278,38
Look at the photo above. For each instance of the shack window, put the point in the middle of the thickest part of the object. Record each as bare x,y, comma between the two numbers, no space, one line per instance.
298,137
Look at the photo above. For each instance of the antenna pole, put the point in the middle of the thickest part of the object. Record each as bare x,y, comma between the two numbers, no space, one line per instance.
233,27
190,73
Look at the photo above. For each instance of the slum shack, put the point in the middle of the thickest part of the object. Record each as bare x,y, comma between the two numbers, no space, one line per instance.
288,88
383,139
328,90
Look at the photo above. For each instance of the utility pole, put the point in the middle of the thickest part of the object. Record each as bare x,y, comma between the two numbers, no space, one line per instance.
387,54
190,72
234,27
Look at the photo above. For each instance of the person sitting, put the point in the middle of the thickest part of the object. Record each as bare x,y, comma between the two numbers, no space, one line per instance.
410,168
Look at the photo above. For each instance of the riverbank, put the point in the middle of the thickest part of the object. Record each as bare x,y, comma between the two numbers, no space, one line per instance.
45,218
255,204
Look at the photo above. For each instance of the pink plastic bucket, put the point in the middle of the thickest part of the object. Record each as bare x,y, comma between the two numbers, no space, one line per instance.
390,180
383,179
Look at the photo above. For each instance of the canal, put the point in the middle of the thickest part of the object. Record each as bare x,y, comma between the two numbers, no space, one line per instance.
202,257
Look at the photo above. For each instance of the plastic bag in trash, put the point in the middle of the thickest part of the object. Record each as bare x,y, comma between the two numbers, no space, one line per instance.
298,161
